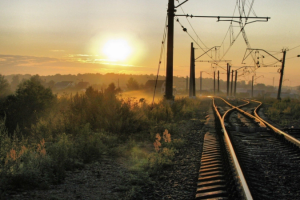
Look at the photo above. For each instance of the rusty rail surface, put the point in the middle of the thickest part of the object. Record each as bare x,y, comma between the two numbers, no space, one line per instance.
241,179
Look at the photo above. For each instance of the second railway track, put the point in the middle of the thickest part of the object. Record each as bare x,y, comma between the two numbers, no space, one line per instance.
270,163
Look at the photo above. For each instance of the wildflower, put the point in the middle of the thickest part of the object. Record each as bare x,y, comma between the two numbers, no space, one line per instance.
167,136
41,148
22,151
157,143
13,154
158,137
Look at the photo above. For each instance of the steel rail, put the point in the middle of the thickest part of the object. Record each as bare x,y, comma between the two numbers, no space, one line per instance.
262,123
242,181
276,130
265,123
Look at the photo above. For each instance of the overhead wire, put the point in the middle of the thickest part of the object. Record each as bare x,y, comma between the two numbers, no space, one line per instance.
250,9
177,19
185,30
192,26
204,51
160,57
241,25
242,29
294,47
291,58
229,28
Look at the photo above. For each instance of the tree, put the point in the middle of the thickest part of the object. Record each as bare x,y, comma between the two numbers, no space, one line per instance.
15,82
132,84
260,86
111,89
27,105
4,87
51,84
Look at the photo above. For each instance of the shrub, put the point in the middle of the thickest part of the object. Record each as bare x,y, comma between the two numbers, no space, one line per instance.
29,103
62,154
164,153
25,167
89,146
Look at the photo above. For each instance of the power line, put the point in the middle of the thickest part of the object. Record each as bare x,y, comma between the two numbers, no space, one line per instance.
196,35
160,56
294,47
185,30
193,28
292,57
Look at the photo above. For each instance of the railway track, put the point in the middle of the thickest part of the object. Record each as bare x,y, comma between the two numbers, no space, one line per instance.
220,175
270,158
290,135
257,159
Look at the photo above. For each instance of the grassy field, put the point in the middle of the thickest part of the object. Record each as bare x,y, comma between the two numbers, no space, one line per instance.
70,131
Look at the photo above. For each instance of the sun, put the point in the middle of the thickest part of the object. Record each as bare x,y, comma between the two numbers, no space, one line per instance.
117,49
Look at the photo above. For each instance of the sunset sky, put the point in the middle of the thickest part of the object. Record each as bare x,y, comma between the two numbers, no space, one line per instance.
74,36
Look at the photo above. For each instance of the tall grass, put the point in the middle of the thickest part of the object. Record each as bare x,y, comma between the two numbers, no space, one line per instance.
82,128
285,112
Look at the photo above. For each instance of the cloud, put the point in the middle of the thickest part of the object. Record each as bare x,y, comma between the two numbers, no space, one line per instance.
70,64
94,59
57,50
17,60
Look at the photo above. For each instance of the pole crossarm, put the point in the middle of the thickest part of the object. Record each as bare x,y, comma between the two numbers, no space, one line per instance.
245,67
259,19
206,52
213,61
181,3
250,49
229,17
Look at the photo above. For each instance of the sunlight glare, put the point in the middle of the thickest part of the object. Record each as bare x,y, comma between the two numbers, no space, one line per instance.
117,49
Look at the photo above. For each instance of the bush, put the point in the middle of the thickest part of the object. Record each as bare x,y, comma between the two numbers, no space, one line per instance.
285,112
25,167
89,145
25,107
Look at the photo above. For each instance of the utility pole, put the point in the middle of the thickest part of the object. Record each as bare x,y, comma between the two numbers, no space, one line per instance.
252,87
281,70
170,49
170,42
231,83
200,83
228,77
235,83
214,83
281,75
192,72
218,82
187,84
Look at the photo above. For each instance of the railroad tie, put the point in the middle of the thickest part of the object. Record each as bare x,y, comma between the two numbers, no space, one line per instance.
211,181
